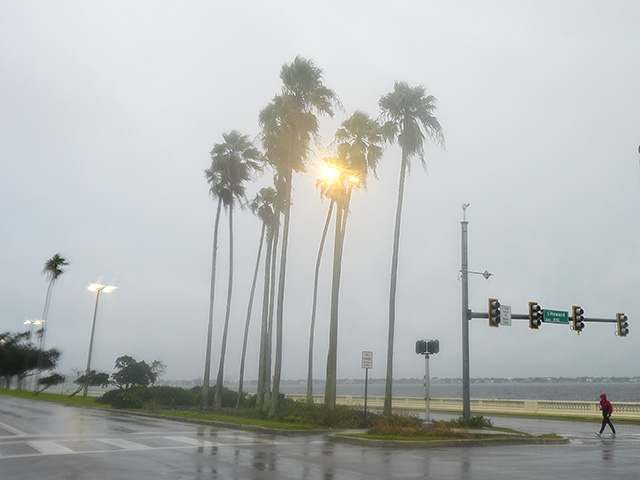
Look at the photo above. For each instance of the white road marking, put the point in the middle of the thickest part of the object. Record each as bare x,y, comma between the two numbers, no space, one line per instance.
48,447
10,429
126,444
194,441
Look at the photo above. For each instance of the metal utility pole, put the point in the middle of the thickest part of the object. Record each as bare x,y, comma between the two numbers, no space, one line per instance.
466,396
427,393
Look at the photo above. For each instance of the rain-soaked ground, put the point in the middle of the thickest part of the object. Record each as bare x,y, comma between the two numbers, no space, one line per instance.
49,441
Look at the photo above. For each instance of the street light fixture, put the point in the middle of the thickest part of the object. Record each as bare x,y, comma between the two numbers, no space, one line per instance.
31,323
98,288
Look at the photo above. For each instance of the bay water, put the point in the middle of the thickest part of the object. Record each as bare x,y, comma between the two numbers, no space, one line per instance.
569,391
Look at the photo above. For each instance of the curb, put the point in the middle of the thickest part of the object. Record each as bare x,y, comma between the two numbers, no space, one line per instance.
475,442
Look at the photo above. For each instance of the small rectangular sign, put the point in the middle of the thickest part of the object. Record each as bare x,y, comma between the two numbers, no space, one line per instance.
367,359
505,315
555,316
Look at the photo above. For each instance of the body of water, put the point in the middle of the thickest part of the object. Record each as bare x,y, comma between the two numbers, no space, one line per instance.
616,391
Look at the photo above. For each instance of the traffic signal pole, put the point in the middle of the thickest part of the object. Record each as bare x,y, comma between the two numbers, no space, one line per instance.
466,316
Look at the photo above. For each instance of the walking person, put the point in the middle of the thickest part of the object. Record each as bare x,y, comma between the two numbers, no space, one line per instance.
607,410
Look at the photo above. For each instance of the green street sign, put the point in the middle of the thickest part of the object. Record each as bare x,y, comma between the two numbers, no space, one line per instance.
555,316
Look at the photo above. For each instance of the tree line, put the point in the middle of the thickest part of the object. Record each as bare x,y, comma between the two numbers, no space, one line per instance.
289,132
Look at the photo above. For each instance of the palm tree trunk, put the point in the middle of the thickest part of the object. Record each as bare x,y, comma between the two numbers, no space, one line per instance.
248,319
388,391
264,331
277,368
332,356
272,307
207,363
223,347
314,305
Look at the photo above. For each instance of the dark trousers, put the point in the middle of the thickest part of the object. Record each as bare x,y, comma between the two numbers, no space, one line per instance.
606,421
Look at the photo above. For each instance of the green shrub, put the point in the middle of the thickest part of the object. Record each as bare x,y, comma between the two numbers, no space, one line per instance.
397,425
162,396
149,397
411,426
322,416
229,397
474,422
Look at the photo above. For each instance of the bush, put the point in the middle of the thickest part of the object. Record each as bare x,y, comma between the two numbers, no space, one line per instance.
397,425
411,426
473,422
149,397
339,417
229,397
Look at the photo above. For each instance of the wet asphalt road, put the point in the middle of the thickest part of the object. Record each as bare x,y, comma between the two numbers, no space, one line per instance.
48,441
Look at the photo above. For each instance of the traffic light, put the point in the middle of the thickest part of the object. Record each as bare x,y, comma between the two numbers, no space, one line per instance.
427,347
578,318
494,312
535,315
623,325
433,346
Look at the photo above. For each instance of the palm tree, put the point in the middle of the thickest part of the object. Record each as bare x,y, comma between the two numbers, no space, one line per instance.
232,164
268,296
263,207
52,271
327,186
289,124
409,112
360,146
360,141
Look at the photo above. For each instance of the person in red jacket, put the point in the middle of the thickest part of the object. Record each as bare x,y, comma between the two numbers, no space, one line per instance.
607,410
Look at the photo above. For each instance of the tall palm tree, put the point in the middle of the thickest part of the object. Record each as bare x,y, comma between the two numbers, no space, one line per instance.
289,124
360,147
327,187
263,207
409,113
232,164
361,141
52,270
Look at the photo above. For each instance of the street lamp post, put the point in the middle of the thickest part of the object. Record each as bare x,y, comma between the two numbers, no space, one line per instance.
31,323
94,287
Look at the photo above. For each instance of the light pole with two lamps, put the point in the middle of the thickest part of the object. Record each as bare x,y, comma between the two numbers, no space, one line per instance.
98,288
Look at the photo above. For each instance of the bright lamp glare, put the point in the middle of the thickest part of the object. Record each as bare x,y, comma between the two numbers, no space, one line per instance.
329,173
99,287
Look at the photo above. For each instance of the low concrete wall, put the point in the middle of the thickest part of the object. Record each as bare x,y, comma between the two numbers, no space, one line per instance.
483,405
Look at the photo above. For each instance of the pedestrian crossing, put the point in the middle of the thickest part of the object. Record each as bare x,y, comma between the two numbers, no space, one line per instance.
11,447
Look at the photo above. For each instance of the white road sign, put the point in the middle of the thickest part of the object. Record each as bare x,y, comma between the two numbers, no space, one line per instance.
367,359
505,315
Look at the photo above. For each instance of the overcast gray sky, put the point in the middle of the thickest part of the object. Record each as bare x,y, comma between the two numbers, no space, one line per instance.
108,111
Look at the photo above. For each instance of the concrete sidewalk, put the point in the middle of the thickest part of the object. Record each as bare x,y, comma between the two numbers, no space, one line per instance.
541,426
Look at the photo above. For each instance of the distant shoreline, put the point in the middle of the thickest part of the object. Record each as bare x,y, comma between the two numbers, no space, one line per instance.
433,380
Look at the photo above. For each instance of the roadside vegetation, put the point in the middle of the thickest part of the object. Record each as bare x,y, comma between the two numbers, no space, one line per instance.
292,414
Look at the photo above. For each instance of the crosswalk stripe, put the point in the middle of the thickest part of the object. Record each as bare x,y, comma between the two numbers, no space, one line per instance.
194,441
126,444
12,430
48,447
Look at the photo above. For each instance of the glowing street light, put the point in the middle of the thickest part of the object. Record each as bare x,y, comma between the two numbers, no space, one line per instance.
329,173
31,323
94,287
